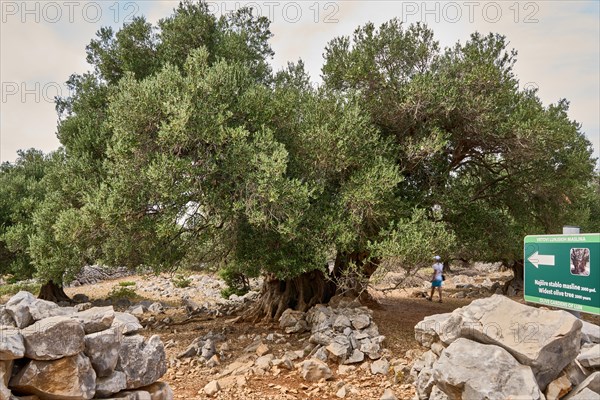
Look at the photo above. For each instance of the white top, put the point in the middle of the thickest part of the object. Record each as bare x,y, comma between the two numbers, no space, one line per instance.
438,268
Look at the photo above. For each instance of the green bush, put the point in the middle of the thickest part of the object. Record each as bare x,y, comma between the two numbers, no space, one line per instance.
14,288
228,291
126,283
237,283
122,292
181,281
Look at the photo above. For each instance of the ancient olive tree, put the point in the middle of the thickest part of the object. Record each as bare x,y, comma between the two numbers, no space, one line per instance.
494,160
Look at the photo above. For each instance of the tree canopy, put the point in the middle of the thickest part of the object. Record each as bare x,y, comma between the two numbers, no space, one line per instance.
182,148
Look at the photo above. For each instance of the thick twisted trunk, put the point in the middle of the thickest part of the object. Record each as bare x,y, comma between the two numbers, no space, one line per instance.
299,293
352,271
514,287
350,277
52,292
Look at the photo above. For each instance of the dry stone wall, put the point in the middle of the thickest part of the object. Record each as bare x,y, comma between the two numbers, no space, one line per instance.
60,353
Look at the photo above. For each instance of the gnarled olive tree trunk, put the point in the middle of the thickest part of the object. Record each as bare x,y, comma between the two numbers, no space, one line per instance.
350,276
514,286
52,292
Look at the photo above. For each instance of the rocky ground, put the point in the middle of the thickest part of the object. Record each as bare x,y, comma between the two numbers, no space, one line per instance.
257,361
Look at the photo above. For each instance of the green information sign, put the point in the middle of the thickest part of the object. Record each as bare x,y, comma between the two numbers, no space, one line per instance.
563,271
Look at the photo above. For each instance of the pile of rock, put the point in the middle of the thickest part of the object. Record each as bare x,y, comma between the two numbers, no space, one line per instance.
91,274
343,334
59,353
496,348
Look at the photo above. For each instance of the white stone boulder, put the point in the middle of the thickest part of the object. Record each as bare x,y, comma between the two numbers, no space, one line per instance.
143,361
102,348
53,338
212,388
18,308
159,391
586,390
431,328
70,378
11,343
96,319
314,370
5,318
590,356
293,321
109,385
590,333
126,324
545,340
25,309
5,372
471,370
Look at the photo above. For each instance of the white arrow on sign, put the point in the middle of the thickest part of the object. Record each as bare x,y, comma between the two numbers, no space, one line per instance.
538,259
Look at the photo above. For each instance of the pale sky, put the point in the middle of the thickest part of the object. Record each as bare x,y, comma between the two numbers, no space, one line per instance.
43,42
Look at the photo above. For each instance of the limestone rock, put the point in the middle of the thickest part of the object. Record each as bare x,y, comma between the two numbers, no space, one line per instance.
590,357
70,378
159,391
356,357
5,371
136,310
576,372
338,351
470,370
591,383
96,319
372,349
262,349
313,370
590,333
156,308
437,394
429,330
293,321
18,308
11,343
341,322
380,367
143,361
132,395
212,388
558,388
53,338
113,383
41,309
424,383
5,318
126,323
547,342
320,353
102,348
584,394
264,362
388,394
360,321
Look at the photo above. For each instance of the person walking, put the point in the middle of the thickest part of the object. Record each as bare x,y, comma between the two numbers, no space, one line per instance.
437,278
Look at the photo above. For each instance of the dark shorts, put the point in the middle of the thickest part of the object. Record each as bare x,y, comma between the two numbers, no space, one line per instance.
436,283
